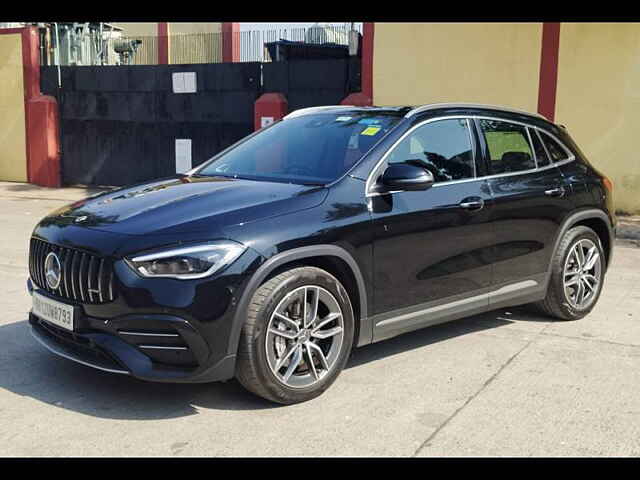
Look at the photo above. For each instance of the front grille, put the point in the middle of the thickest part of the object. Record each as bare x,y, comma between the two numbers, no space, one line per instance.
85,278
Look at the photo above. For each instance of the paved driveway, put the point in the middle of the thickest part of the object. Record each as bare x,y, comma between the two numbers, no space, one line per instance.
508,382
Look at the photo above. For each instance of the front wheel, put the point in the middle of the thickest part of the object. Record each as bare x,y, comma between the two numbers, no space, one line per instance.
577,275
297,337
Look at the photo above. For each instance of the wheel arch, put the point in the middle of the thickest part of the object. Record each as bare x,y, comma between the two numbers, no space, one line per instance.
595,219
335,260
599,226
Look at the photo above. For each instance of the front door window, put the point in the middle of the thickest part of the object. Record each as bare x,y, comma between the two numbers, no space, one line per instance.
443,147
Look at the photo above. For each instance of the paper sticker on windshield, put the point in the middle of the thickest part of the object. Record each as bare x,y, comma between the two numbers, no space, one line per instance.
343,119
370,131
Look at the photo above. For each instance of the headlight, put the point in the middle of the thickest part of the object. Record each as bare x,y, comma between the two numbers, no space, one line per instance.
190,262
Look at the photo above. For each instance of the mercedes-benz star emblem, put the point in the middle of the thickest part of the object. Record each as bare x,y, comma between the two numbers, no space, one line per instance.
52,270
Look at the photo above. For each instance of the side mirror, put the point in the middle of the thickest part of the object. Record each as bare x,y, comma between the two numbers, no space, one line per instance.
405,176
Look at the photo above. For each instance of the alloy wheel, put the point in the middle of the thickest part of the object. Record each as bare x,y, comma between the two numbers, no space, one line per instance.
582,273
304,336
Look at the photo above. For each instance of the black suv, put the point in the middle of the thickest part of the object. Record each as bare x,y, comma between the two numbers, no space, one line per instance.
331,229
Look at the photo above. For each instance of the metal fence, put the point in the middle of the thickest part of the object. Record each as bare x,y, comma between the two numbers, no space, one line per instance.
208,47
196,48
252,43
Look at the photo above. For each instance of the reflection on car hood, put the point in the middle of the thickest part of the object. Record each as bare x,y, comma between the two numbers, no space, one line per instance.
186,204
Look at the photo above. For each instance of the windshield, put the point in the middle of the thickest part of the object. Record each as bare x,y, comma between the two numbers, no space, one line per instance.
311,149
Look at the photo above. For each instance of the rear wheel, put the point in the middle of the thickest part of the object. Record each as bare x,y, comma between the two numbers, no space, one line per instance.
297,337
577,275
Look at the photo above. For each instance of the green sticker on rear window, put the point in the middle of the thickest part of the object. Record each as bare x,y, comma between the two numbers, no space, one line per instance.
370,131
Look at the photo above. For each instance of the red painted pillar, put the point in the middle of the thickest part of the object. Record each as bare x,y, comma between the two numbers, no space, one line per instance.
41,118
43,141
41,115
364,98
367,59
163,43
549,69
230,42
269,108
31,62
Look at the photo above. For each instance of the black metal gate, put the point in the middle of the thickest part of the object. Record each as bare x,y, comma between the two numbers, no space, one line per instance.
119,124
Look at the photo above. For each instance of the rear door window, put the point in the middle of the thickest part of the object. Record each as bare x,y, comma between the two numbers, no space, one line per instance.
509,147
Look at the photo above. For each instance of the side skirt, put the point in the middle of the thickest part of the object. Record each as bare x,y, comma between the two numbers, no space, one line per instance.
388,325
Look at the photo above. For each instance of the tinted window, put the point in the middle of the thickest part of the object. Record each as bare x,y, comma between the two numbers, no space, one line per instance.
443,147
541,155
509,146
317,148
556,151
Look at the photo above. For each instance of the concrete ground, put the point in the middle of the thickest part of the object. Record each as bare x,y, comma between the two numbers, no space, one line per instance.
506,383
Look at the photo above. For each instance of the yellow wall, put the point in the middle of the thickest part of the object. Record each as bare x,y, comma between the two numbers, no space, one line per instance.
496,63
13,154
598,99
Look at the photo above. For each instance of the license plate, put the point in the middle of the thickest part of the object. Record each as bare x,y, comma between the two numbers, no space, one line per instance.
58,313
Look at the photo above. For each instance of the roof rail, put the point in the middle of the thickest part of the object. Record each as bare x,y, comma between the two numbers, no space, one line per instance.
433,106
305,111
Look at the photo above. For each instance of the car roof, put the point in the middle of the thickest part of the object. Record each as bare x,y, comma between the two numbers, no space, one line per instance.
395,111
409,111
470,106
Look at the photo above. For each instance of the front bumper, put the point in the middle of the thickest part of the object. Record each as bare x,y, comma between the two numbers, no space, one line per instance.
159,330
107,351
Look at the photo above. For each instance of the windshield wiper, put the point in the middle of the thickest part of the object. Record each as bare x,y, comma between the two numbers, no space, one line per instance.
263,179
311,184
214,175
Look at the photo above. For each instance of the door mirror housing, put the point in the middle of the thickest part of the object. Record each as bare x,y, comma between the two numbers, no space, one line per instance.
406,176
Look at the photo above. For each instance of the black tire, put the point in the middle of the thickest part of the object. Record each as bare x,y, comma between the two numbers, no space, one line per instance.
252,368
556,303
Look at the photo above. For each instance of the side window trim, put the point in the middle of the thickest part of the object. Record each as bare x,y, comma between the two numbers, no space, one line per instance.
477,155
570,156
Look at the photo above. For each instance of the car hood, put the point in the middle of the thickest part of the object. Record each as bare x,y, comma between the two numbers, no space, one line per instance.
184,204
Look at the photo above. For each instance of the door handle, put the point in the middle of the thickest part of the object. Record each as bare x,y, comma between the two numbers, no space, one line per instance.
472,203
555,192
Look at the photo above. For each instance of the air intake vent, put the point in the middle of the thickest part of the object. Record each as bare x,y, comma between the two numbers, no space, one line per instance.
166,346
85,278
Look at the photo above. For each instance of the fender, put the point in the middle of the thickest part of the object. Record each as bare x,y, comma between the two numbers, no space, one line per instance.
294,254
574,218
